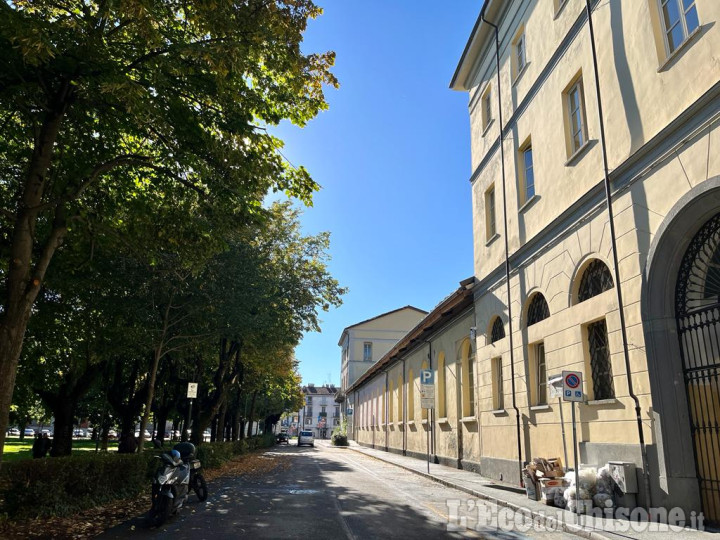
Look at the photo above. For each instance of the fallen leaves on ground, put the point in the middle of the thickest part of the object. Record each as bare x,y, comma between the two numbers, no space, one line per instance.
93,522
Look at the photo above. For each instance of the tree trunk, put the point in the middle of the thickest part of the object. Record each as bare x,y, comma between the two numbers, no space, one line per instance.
221,421
24,276
162,417
251,416
157,354
241,430
62,440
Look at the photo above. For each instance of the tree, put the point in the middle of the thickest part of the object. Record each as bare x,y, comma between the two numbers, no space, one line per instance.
116,105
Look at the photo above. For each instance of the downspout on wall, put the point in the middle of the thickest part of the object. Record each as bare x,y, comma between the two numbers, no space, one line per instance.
616,269
507,248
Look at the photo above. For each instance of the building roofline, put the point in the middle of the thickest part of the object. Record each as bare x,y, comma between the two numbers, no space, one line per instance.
452,305
377,317
472,48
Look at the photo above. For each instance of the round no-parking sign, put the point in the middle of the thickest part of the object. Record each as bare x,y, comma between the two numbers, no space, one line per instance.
572,386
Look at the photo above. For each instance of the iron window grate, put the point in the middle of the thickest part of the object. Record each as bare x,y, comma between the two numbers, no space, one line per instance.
600,360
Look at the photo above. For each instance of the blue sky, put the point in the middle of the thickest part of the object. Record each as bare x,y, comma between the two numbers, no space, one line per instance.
392,155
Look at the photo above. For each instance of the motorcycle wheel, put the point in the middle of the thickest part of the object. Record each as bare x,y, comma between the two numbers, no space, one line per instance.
160,512
200,487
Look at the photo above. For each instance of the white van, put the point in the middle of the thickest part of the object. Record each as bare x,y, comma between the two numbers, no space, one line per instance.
306,437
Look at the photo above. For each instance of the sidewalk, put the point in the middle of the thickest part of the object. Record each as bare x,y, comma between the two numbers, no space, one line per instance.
506,495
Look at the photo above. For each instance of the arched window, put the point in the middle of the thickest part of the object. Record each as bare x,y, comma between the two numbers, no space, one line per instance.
400,399
595,280
537,309
498,330
411,396
467,380
391,411
442,409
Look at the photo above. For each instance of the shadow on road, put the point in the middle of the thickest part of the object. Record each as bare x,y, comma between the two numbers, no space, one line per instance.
307,492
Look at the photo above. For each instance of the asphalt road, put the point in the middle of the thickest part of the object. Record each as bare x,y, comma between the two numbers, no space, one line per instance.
325,492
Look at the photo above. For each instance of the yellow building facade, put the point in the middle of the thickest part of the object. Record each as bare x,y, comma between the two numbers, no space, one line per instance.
633,107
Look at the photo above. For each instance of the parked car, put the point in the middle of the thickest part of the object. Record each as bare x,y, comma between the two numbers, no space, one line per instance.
112,434
306,437
46,432
29,432
78,433
147,435
282,437
14,432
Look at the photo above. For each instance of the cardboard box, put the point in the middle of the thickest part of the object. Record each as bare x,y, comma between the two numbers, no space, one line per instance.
550,487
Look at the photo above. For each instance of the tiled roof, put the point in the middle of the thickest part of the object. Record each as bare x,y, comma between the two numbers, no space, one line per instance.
325,390
452,305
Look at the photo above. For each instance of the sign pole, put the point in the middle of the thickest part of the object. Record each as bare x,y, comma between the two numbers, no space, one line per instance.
427,402
428,449
191,394
562,428
575,458
572,392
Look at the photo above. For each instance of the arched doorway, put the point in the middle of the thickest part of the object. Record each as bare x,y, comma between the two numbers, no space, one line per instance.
675,472
697,310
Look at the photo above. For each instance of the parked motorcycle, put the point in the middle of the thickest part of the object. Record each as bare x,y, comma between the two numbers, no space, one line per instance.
169,488
179,472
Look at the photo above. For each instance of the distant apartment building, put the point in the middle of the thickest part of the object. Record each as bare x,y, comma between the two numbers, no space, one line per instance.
596,221
320,414
364,343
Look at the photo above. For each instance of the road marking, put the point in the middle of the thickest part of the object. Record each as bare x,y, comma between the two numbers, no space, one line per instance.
394,487
341,518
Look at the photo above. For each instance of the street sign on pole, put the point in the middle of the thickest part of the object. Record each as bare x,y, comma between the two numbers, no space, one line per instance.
427,389
192,390
572,391
572,386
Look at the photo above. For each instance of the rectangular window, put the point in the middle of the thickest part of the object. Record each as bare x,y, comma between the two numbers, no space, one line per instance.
576,116
309,411
367,351
336,422
486,108
679,19
520,53
527,174
497,384
322,408
336,414
540,374
490,225
600,365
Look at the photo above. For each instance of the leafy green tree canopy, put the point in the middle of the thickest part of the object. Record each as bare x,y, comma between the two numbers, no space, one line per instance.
111,108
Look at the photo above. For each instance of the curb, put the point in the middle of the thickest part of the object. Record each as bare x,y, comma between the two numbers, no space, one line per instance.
550,521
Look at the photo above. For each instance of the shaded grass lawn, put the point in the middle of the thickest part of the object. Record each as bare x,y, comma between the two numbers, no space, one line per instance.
16,450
